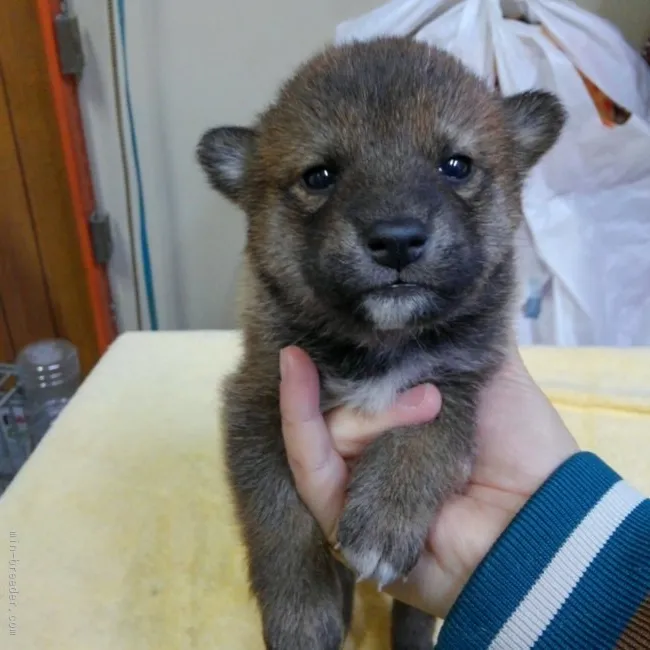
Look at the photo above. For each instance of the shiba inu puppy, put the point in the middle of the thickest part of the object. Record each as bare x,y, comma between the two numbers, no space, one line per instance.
382,191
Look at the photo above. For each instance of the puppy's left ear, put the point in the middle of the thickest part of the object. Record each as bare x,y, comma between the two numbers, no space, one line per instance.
536,119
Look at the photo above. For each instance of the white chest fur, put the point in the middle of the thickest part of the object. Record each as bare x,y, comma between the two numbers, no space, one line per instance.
378,393
369,395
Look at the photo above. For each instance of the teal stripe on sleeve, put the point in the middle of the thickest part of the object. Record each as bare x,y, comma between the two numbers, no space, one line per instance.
609,593
522,552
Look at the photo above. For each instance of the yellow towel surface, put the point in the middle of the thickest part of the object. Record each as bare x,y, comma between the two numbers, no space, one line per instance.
121,526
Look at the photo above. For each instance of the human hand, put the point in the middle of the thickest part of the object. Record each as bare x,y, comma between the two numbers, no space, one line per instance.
521,441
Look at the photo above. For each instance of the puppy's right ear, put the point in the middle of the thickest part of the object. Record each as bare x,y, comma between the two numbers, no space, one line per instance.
223,154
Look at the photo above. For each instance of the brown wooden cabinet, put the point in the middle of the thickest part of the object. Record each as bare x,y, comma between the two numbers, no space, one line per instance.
50,283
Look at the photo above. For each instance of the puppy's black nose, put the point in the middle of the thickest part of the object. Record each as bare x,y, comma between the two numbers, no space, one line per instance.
396,243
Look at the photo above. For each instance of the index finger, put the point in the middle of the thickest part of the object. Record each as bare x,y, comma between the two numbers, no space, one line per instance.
319,471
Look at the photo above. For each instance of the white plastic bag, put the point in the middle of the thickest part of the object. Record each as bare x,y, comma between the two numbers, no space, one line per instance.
585,247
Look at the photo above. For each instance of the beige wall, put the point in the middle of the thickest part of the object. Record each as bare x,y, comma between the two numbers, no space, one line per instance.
632,16
195,64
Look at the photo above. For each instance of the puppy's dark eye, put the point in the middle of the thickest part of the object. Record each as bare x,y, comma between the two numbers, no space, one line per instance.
456,168
319,179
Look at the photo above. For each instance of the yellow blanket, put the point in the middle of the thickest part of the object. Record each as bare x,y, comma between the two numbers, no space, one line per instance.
120,523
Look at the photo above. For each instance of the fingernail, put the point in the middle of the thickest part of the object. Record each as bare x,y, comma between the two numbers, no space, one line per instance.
414,397
285,362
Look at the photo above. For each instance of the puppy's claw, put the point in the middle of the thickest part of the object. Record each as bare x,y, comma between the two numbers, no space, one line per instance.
361,577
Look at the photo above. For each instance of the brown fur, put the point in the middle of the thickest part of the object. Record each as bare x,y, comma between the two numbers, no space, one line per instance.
384,116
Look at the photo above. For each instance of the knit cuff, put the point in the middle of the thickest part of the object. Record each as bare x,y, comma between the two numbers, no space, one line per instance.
569,572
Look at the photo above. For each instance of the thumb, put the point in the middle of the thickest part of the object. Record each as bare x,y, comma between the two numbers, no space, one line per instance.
354,431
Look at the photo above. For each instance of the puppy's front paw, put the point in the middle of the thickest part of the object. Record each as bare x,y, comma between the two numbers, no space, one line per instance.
379,543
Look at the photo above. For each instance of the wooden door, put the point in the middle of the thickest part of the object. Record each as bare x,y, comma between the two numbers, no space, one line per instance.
50,284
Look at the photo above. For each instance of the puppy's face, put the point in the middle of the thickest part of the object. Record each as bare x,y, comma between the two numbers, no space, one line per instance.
383,186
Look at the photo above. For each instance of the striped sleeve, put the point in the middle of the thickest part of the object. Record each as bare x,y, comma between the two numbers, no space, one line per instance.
571,571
